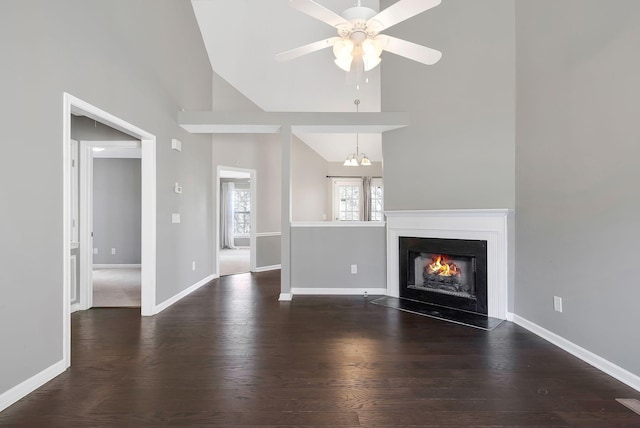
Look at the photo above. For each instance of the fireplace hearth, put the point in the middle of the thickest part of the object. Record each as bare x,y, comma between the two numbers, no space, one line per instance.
451,273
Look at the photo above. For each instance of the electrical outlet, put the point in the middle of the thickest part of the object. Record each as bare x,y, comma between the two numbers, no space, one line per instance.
113,251
95,251
557,304
175,218
193,265
354,269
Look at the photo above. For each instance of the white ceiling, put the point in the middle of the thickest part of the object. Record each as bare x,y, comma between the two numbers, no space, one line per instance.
242,38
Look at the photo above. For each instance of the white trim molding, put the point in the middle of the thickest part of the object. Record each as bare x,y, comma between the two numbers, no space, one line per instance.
268,268
338,224
481,224
34,382
164,305
267,234
285,297
338,291
589,357
116,266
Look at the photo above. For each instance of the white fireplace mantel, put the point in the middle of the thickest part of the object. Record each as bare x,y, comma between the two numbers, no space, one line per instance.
482,224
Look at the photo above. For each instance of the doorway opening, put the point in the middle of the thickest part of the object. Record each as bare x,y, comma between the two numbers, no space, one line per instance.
84,242
114,213
235,220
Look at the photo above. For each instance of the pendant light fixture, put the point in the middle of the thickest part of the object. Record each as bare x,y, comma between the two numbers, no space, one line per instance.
357,158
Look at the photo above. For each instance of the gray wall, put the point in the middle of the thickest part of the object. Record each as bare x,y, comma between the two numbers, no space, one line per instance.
142,61
321,257
308,183
462,109
268,250
577,155
116,211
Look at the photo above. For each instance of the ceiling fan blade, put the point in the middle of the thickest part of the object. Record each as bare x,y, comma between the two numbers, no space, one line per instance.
399,11
317,11
306,49
412,51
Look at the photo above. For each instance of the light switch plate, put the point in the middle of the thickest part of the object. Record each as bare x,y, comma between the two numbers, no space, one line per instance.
557,303
175,218
176,144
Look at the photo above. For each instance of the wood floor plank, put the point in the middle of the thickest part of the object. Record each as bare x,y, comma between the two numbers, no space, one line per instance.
232,355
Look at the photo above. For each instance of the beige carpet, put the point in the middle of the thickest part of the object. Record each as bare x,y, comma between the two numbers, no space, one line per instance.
116,287
234,261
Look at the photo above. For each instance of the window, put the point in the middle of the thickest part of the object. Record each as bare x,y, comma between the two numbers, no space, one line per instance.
349,203
241,212
348,199
376,199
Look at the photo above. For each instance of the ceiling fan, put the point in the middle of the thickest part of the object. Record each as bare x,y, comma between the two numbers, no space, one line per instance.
359,41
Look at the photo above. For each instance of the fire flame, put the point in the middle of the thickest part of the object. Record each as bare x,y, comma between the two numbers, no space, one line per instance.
439,266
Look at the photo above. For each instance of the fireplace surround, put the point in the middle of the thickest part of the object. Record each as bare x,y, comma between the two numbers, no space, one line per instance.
490,225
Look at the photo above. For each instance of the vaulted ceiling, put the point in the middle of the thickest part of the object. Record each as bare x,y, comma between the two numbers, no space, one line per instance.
242,38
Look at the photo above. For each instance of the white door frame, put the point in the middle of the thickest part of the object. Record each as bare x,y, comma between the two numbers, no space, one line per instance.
77,106
87,156
86,226
252,234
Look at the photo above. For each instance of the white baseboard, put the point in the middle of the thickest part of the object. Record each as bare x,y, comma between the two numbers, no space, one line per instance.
285,297
75,307
115,266
596,361
164,305
339,291
510,316
31,384
267,268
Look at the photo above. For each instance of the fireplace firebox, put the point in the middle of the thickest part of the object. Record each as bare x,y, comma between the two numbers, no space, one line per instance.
444,272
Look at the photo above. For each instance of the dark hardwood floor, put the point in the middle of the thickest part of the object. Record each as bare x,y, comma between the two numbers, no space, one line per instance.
231,355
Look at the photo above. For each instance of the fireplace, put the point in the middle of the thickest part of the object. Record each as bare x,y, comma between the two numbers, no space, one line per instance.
489,225
444,272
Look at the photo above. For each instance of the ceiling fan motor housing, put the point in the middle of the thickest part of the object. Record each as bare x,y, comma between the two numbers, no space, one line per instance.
357,29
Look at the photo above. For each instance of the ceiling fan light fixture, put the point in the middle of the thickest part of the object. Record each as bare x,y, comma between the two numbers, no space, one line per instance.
343,51
373,47
370,62
344,63
343,48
